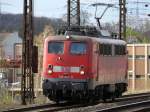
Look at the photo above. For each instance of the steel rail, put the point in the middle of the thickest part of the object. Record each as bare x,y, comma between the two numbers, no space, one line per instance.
29,108
133,96
144,109
132,107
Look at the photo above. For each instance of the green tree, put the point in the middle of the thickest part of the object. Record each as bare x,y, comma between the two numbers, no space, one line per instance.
39,39
131,32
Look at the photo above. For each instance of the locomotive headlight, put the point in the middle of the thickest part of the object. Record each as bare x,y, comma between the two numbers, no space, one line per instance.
50,71
82,72
67,37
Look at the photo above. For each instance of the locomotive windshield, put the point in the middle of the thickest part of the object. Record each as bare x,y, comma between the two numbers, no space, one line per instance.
56,47
78,48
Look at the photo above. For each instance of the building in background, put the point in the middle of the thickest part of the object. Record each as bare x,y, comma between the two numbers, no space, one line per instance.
138,67
18,51
7,42
10,55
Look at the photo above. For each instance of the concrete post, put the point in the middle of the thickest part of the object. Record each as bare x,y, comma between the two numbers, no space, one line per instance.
133,69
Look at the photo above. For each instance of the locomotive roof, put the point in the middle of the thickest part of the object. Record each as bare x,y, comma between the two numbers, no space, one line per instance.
86,38
110,41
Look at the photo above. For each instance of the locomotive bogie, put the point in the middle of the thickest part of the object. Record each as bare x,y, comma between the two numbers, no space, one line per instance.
64,89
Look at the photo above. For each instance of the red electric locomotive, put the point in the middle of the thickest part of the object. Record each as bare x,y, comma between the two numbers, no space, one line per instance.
77,67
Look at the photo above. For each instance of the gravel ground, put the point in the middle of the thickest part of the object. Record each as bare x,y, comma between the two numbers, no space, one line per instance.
8,106
17,104
90,108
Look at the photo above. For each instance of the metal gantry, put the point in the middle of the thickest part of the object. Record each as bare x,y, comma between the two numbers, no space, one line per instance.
122,19
27,84
73,15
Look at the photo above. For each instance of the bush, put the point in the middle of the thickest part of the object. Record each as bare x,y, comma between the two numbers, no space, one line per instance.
5,96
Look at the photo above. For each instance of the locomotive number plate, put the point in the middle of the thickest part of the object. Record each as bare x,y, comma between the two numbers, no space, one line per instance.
64,76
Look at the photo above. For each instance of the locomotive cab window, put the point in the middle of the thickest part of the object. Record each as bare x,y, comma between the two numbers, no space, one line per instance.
120,50
105,49
56,47
78,48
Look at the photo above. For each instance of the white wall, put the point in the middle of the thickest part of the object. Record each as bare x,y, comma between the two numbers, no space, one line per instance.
8,44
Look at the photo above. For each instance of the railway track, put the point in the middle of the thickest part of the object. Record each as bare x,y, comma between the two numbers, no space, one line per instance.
133,96
142,106
66,106
45,108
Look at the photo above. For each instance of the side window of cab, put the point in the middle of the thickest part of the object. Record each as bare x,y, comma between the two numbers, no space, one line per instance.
105,49
120,50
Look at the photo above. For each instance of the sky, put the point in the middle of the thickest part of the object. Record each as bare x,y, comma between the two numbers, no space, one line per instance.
48,8
57,8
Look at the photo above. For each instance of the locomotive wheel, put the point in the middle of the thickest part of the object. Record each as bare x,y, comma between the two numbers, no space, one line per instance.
104,100
113,97
118,94
92,99
76,98
105,97
57,101
79,97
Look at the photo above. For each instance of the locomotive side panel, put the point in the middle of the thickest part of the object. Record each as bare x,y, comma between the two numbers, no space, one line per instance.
108,69
111,70
93,66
